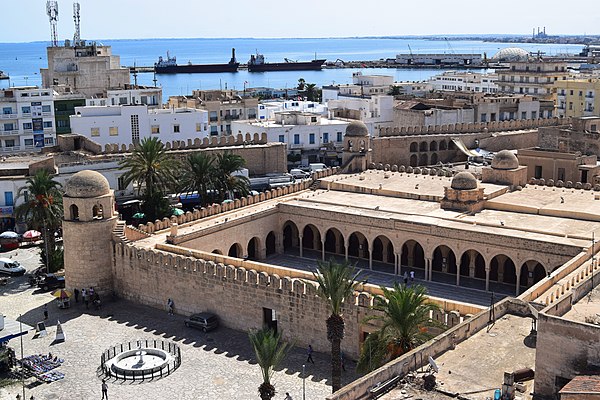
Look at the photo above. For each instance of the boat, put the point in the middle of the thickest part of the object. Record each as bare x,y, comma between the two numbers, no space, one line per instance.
257,64
3,75
170,66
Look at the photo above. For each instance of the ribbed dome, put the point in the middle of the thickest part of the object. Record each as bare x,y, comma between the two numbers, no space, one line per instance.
87,184
357,128
464,181
511,54
505,160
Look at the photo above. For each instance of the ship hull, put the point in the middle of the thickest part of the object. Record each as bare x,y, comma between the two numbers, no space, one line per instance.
314,65
197,68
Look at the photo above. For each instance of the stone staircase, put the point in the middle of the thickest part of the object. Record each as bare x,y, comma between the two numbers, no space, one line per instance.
119,233
315,184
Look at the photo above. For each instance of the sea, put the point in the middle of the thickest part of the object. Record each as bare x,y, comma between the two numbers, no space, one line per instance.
22,61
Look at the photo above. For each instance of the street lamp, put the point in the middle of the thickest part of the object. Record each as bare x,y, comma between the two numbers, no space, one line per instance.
303,382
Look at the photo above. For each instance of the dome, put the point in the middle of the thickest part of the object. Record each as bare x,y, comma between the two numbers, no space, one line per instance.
505,160
511,54
357,128
464,181
87,184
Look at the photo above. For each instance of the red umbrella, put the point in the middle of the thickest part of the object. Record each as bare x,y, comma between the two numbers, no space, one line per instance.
32,234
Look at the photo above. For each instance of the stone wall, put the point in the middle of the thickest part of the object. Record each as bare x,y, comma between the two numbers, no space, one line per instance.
564,349
568,140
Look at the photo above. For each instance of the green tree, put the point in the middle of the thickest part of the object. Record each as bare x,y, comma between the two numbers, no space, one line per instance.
312,92
151,167
337,282
199,175
301,84
42,208
405,324
226,164
270,351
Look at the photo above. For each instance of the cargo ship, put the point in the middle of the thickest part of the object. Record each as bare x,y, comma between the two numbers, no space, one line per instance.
169,66
3,75
257,64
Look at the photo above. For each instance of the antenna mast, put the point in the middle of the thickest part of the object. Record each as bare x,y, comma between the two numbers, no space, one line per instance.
77,35
52,11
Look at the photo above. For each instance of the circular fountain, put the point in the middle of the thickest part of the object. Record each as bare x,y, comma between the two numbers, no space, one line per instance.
141,360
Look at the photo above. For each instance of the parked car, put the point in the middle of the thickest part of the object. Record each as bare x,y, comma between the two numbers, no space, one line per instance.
299,174
51,281
11,267
205,321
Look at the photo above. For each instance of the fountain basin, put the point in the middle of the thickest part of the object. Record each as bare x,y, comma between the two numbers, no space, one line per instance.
142,361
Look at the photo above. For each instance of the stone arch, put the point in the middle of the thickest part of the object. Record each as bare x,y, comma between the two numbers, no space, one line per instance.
97,211
472,264
291,237
414,147
358,245
451,145
271,243
334,241
532,271
433,146
413,254
253,249
383,250
502,269
444,260
434,159
443,145
539,273
423,159
414,160
74,212
423,147
311,237
236,250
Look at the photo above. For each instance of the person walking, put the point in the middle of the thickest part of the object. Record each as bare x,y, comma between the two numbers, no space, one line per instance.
104,390
309,352
287,396
86,298
412,276
170,306
76,293
45,312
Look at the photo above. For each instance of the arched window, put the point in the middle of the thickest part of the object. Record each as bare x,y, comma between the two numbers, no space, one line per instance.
97,212
74,212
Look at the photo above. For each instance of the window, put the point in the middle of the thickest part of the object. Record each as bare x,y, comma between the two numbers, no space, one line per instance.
214,130
325,137
593,127
339,137
95,132
113,131
524,115
561,174
135,128
311,138
7,110
198,127
46,109
296,138
49,141
47,124
61,123
8,199
9,143
281,138
534,115
28,142
155,129
27,125
176,128
9,127
571,92
538,172
26,110
483,117
313,119
570,105
122,100
213,116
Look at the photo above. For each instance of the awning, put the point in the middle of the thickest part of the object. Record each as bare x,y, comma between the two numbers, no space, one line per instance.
13,329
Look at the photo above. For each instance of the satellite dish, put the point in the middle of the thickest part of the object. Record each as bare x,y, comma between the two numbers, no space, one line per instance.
433,365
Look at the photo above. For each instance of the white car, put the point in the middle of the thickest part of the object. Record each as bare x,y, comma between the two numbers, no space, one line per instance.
11,267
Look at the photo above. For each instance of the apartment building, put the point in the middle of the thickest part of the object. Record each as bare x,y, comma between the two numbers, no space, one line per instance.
463,81
27,119
535,77
577,97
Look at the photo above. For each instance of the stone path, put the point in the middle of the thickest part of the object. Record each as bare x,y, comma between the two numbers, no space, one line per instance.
217,365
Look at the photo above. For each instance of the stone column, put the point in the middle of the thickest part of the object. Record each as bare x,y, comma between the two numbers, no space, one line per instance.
458,275
518,272
472,259
279,244
346,250
487,276
323,249
300,243
370,246
428,269
398,263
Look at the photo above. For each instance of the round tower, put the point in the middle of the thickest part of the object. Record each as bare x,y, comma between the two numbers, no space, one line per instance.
89,220
356,155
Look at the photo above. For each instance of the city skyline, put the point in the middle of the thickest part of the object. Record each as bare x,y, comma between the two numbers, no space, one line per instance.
266,19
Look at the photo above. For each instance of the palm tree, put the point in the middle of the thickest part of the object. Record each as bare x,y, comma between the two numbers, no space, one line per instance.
153,168
405,321
226,164
42,208
337,282
199,175
269,351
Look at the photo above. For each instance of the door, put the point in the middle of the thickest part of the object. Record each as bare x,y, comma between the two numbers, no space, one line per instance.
270,319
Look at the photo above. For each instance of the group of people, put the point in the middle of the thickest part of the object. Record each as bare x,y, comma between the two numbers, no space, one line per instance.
88,296
406,275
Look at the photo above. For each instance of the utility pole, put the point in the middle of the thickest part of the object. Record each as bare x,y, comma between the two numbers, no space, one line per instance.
303,382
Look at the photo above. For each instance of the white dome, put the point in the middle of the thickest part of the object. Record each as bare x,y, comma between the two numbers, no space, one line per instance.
511,54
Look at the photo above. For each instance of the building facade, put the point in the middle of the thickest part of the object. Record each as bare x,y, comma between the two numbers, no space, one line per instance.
535,77
463,81
577,97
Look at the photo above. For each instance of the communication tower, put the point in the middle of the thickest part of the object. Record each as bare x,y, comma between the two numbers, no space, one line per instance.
77,35
52,11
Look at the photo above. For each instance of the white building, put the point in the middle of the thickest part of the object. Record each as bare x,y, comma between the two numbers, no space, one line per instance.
27,119
150,96
125,125
268,108
463,81
309,135
438,59
361,86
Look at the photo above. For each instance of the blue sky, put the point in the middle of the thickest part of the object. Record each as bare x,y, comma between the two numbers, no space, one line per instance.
26,20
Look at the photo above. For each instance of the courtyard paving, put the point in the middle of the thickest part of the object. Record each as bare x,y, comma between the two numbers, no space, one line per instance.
215,365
